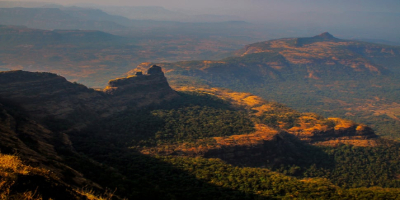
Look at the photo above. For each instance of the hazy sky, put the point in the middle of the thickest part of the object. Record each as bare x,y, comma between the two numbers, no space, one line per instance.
348,18
358,18
254,5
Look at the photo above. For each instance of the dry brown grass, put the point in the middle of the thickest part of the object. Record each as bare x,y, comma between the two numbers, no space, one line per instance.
342,123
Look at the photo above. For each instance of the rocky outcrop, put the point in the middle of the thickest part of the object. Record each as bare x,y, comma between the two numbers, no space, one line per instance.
141,89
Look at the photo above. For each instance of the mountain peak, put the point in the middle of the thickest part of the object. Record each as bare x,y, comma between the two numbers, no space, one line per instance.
325,35
155,70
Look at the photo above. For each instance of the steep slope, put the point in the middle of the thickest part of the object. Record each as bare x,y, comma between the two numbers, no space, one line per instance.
41,167
30,165
321,74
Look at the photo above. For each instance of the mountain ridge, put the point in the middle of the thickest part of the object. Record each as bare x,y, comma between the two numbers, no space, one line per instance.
313,75
51,97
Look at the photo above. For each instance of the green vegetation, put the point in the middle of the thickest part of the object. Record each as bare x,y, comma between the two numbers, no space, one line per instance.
348,166
197,122
193,116
175,177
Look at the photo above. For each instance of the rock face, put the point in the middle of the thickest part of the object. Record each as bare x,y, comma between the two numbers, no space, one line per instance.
51,98
155,70
141,89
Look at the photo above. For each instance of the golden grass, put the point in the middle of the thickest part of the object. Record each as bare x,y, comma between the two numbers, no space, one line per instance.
10,167
342,123
262,133
355,141
10,164
90,194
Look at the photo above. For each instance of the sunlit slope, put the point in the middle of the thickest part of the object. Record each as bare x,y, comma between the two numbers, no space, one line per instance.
321,74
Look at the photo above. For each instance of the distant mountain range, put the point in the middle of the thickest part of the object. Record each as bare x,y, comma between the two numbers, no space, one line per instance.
92,57
70,18
54,18
14,36
132,12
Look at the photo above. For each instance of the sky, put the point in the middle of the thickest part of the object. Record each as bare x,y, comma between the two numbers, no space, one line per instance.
378,18
250,6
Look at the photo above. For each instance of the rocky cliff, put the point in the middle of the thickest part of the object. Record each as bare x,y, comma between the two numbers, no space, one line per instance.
140,89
